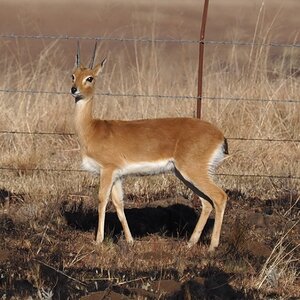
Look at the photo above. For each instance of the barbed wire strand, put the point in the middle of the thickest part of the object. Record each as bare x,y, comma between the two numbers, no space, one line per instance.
155,96
83,171
74,134
148,40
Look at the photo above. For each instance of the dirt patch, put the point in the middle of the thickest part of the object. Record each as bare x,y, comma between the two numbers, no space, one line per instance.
104,295
4,255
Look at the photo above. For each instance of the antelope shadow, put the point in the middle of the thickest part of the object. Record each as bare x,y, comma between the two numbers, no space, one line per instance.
177,220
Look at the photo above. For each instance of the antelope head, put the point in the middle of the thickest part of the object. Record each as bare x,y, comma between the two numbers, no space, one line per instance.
83,78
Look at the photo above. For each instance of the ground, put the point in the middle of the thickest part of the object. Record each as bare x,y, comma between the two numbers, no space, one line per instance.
57,256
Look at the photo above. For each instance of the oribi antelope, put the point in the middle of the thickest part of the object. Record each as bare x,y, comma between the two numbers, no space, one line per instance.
191,148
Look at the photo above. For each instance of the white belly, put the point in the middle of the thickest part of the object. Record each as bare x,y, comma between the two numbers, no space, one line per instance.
89,164
147,168
140,168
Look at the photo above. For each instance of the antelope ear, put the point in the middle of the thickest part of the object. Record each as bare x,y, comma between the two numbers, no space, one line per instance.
99,67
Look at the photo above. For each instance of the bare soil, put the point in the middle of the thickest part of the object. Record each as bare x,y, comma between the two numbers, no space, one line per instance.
57,255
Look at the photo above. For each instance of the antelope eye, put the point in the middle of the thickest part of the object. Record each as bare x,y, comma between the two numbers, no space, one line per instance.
73,77
90,79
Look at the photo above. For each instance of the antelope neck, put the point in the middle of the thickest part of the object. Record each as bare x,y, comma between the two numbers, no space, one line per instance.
83,117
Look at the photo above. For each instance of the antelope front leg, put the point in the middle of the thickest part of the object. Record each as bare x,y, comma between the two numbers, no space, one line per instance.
117,199
106,183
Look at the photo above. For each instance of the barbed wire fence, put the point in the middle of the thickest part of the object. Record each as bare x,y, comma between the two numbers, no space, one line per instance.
156,96
148,40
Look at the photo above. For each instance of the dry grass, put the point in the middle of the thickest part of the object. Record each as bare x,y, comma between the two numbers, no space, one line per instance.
154,68
149,74
280,267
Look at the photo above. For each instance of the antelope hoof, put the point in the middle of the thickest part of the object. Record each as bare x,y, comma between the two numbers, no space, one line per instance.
99,241
190,244
212,249
130,241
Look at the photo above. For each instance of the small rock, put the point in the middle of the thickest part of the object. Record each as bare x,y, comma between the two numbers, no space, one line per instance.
166,286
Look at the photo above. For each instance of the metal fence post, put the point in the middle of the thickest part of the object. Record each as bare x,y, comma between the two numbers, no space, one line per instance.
201,57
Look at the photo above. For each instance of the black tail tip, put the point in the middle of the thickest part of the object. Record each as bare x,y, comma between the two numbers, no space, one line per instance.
225,147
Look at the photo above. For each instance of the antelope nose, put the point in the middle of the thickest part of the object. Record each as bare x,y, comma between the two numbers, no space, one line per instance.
73,90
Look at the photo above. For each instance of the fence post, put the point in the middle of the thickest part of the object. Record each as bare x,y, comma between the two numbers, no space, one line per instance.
201,56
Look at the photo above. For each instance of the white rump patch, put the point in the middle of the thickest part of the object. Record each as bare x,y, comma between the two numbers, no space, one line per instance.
147,168
217,156
89,164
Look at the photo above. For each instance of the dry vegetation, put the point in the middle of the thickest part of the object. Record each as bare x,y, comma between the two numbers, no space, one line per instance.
47,218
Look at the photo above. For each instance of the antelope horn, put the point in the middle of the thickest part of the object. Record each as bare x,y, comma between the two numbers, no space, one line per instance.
93,57
78,55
